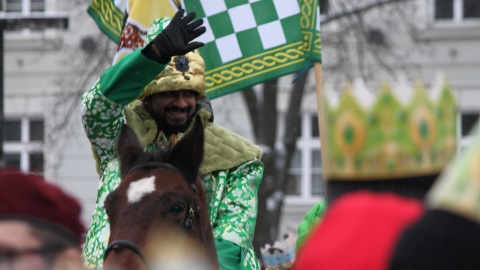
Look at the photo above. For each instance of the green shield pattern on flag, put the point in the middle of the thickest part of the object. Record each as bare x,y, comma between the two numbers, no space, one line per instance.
251,41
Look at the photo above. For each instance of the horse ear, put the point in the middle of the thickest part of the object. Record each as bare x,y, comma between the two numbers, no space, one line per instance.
187,154
129,149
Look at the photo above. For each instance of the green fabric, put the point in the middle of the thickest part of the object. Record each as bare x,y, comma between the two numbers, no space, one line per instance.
458,189
129,73
139,120
231,193
293,44
223,148
312,218
230,256
108,17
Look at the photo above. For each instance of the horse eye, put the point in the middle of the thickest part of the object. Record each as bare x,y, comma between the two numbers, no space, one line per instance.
176,209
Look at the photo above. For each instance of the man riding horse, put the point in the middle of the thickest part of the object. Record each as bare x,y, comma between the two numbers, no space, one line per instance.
157,91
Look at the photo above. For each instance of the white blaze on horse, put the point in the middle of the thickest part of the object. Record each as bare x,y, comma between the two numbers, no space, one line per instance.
158,214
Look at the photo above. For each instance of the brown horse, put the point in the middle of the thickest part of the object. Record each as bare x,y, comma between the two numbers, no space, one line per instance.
158,214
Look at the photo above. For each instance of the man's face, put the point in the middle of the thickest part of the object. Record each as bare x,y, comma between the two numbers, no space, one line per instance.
17,247
173,107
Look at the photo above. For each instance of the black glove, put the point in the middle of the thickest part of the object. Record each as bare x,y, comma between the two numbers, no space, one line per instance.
175,38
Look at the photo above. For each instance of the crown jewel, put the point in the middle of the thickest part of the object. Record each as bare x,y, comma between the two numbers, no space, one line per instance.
388,138
181,64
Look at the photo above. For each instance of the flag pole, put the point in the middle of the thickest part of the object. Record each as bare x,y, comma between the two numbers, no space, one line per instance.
321,121
322,126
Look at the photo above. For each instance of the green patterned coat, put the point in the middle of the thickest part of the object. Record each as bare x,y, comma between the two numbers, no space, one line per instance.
231,170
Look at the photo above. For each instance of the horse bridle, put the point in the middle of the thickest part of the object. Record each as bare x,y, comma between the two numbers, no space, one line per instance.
187,224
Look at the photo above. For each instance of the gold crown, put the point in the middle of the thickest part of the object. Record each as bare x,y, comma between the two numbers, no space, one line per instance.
458,189
387,138
184,72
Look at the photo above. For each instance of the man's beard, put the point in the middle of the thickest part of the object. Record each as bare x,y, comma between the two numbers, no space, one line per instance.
166,127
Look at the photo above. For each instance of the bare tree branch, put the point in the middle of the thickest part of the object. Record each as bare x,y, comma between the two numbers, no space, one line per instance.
356,11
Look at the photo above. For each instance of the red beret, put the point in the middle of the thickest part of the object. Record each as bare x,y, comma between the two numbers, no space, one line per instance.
28,196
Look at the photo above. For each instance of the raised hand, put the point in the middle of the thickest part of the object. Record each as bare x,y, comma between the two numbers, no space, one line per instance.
176,38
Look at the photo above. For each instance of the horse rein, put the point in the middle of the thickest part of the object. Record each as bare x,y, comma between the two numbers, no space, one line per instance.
187,224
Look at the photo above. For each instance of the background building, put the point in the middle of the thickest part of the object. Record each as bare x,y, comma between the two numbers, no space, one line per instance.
43,76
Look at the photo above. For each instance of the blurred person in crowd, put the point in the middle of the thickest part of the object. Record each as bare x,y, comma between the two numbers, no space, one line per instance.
383,155
447,235
40,225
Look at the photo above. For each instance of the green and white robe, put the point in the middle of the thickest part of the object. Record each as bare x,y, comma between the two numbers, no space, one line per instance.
231,169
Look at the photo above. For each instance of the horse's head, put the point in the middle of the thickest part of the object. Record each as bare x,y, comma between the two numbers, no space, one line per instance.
158,214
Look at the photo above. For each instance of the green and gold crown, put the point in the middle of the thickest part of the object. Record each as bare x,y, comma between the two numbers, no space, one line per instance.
390,137
458,189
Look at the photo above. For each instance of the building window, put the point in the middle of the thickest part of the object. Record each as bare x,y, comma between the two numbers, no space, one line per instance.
456,10
317,177
468,120
23,6
443,9
324,7
305,178
23,144
294,175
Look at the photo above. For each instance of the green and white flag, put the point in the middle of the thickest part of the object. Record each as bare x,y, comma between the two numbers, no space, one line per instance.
247,41
108,14
251,41
136,16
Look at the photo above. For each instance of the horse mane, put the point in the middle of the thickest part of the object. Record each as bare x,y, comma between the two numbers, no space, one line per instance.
160,154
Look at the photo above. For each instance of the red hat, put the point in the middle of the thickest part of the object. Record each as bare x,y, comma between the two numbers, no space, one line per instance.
30,197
